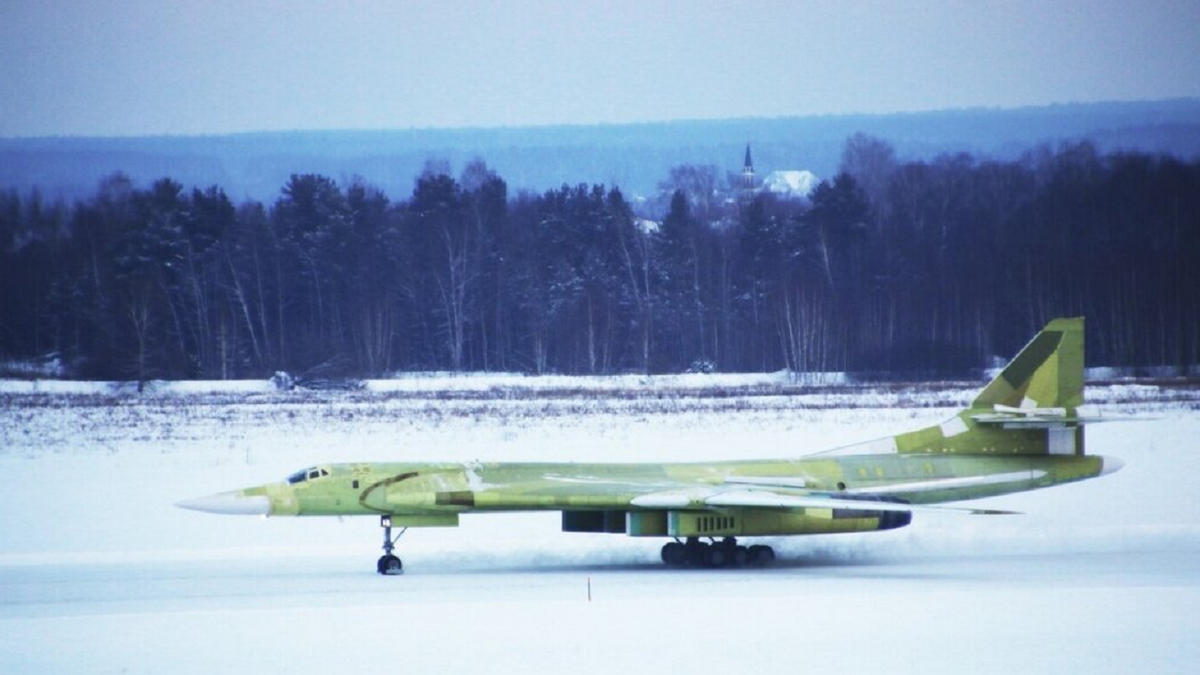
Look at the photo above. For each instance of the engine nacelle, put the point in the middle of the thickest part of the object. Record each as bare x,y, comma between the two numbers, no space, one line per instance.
612,522
733,522
761,522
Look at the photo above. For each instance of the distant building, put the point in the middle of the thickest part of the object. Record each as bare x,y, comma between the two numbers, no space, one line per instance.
797,184
749,184
790,183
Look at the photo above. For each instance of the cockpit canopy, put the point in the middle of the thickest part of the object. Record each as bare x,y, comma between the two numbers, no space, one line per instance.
311,473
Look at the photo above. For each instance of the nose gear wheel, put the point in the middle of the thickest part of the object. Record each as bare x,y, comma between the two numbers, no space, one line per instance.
389,564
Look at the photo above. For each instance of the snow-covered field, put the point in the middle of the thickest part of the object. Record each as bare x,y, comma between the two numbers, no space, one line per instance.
99,573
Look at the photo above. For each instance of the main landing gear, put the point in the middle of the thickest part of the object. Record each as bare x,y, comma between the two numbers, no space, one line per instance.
389,564
725,553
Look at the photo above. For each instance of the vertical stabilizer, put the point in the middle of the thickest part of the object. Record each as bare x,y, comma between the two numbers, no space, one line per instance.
1030,408
1048,373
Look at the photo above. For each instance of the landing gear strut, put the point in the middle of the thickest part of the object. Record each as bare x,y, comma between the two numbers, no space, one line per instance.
725,553
389,564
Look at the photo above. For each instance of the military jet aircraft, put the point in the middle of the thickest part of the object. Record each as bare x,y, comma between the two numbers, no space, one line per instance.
1022,432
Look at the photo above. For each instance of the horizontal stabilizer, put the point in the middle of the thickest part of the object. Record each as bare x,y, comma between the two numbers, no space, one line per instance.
1036,418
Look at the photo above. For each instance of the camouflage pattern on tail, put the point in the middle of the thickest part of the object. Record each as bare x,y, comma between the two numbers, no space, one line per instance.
1048,373
1030,408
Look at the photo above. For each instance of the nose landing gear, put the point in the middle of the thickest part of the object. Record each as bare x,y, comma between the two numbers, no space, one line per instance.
389,564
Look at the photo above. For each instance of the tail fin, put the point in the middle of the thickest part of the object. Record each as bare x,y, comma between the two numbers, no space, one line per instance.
1048,373
1029,409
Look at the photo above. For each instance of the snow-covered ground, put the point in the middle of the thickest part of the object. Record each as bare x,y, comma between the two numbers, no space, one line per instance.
99,573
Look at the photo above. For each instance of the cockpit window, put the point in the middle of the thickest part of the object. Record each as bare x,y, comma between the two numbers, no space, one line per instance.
307,474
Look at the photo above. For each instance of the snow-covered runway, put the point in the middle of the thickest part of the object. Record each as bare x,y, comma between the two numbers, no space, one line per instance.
99,573
1096,613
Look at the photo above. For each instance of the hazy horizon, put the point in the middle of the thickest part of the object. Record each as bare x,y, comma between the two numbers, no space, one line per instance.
141,68
631,124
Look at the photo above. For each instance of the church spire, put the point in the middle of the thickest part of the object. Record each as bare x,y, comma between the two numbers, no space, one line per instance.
749,183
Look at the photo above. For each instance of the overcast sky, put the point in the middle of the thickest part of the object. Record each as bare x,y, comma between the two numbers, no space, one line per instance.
132,67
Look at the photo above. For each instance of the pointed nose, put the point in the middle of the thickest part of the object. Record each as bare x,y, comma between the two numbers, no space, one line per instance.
230,503
1110,465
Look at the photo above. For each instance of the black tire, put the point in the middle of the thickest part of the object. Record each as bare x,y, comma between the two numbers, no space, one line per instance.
741,556
717,557
761,556
389,565
768,555
674,554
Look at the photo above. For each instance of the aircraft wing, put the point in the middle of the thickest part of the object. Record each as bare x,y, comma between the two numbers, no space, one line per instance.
768,499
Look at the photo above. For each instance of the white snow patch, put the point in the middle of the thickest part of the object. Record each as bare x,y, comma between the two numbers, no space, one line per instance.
91,546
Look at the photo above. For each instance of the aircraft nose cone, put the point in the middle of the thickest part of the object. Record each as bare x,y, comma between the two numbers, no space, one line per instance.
1111,464
229,503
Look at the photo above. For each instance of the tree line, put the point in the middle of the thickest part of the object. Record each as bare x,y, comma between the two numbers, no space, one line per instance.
889,266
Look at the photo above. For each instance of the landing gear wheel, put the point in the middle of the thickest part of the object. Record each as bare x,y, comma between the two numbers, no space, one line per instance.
674,554
761,556
741,556
696,552
717,556
389,564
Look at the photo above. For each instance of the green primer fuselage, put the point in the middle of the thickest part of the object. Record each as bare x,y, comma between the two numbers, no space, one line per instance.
1023,432
429,489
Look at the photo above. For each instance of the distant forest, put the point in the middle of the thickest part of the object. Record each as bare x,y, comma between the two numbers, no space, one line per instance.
536,159
927,265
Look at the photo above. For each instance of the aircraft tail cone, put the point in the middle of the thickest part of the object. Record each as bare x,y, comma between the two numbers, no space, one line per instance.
229,503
